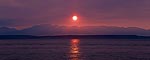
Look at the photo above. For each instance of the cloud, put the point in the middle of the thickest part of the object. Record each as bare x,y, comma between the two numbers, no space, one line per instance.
117,9
4,22
12,3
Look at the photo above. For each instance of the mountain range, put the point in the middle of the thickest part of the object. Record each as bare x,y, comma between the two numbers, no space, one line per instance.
50,30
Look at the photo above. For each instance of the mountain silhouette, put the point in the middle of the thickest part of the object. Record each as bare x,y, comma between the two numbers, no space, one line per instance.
74,30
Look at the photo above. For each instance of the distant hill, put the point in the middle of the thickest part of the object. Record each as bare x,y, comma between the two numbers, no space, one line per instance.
46,30
74,36
18,37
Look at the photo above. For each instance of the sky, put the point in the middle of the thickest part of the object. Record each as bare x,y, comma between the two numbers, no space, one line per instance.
94,16
122,13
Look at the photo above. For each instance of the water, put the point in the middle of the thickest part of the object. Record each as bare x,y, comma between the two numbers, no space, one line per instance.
74,49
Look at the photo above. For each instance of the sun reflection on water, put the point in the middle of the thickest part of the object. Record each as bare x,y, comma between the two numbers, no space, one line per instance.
75,50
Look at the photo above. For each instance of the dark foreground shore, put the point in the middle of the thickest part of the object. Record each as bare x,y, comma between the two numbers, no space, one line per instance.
74,36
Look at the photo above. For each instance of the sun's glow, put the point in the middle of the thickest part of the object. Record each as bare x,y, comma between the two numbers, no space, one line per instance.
75,41
75,18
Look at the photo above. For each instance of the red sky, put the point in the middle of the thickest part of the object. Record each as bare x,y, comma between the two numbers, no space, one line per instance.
124,13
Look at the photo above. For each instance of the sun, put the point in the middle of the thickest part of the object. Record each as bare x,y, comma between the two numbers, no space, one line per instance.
75,18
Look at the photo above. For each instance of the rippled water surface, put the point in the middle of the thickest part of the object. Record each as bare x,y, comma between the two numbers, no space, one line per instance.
74,49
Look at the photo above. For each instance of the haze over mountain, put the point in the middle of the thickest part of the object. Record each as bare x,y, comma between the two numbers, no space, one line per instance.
74,30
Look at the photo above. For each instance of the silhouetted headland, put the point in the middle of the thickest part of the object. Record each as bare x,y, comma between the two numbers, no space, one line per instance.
74,36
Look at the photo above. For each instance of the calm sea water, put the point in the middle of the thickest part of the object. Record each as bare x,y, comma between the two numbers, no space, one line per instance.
74,49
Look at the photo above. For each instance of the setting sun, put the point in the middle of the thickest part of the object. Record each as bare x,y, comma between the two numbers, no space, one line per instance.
75,18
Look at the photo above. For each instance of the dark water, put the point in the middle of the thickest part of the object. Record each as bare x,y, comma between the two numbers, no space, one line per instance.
74,49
